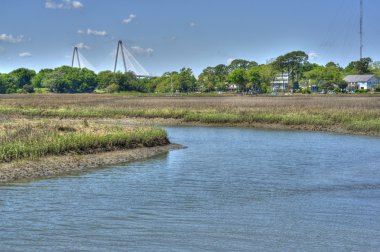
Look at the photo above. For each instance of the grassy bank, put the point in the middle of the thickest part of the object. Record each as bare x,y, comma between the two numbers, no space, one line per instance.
32,139
355,114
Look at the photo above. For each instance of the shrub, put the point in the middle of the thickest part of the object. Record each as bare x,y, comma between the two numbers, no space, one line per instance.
28,88
377,88
113,88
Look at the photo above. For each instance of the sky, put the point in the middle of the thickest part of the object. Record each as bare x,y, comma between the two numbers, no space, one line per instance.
166,35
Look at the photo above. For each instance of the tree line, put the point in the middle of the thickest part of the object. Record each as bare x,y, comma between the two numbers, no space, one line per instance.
239,76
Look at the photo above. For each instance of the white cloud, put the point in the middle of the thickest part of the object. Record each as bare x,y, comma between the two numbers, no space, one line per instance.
80,31
313,55
129,19
25,54
137,50
83,46
64,4
10,38
96,33
77,4
229,61
192,24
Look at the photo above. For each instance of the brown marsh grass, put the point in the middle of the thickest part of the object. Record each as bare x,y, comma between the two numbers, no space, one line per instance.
345,113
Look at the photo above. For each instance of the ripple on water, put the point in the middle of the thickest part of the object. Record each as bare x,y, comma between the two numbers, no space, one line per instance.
230,190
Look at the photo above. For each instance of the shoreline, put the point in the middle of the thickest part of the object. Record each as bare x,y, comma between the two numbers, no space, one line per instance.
54,166
163,122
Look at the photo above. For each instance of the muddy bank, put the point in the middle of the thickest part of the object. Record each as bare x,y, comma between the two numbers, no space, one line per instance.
60,165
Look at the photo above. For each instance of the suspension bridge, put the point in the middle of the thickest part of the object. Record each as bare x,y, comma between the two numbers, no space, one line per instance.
130,63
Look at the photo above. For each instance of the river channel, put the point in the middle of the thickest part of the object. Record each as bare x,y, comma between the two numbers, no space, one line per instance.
231,189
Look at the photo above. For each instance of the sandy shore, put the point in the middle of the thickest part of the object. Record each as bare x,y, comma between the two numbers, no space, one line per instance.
60,165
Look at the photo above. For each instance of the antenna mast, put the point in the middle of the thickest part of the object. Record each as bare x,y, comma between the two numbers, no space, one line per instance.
120,47
77,53
361,29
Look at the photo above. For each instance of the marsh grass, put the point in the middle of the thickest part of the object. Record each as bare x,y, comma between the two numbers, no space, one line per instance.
34,139
357,114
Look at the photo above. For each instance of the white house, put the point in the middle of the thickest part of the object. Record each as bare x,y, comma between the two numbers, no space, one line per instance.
280,82
362,81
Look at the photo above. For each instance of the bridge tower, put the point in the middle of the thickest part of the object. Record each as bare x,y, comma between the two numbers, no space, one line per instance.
75,52
121,49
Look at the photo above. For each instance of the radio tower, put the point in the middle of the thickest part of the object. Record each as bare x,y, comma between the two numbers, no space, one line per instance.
77,53
121,48
361,29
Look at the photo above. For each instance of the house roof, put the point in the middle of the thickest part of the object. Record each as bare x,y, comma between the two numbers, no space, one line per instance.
358,78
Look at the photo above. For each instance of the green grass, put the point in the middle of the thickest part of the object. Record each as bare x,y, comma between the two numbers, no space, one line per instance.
43,139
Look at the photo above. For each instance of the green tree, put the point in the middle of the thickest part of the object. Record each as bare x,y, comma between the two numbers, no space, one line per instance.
186,79
253,75
88,83
67,79
37,79
332,64
326,77
377,88
3,83
208,79
359,67
8,84
375,68
105,78
221,71
22,76
292,63
241,63
213,78
56,81
342,85
267,74
238,77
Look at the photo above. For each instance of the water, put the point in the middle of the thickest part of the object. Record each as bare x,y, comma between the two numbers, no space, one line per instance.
230,190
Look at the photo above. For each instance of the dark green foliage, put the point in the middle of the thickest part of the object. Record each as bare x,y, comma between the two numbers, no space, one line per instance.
116,82
293,63
22,76
377,88
28,88
359,67
37,79
8,84
242,64
70,80
238,77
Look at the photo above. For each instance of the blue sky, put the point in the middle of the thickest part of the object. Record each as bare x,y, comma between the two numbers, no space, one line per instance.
166,35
